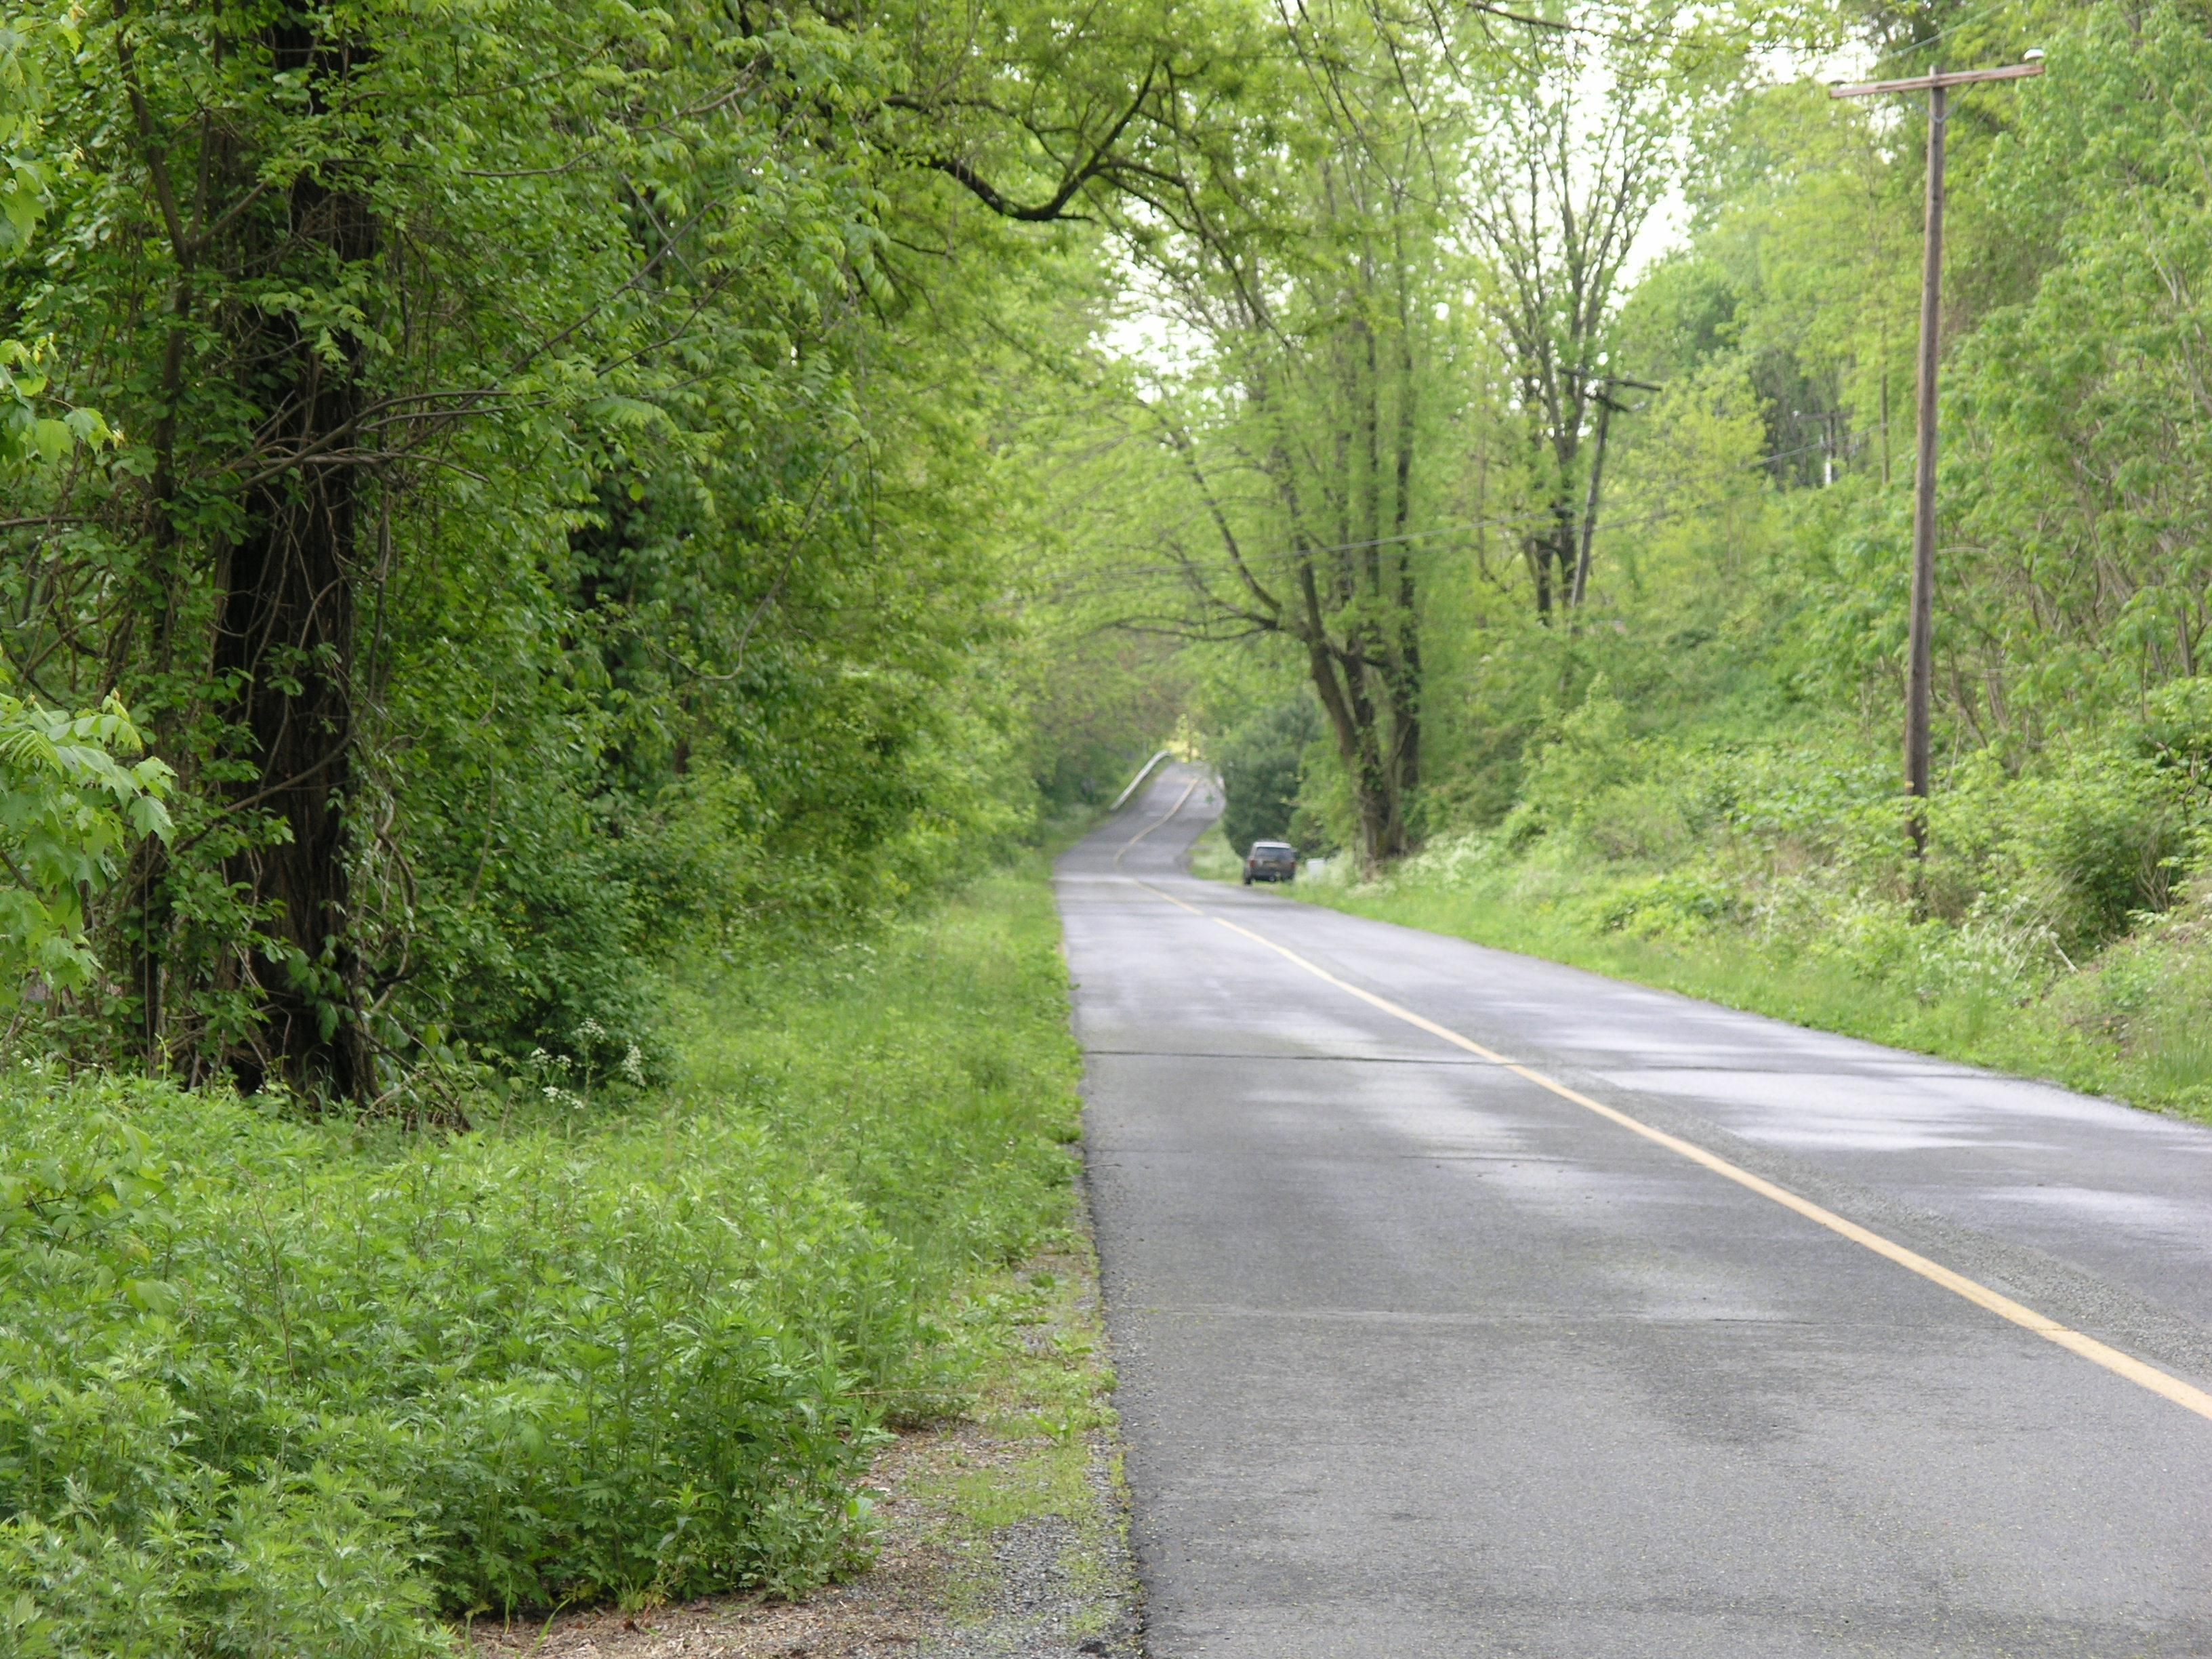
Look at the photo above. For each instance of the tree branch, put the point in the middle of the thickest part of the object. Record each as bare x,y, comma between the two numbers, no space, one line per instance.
1102,156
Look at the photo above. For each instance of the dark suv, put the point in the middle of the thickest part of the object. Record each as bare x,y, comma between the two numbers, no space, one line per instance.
1271,860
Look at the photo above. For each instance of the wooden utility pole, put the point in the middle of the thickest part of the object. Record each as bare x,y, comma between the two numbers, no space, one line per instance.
1920,671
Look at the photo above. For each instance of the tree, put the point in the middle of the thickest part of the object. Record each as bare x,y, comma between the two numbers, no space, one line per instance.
1260,764
346,280
1313,269
1580,128
560,507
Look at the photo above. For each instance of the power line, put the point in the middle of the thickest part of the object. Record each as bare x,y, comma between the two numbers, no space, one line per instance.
1458,527
1974,15
1131,575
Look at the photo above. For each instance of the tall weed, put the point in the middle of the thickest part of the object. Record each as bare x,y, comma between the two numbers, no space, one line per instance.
279,1388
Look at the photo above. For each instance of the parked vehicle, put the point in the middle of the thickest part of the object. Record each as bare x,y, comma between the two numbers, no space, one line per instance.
1271,860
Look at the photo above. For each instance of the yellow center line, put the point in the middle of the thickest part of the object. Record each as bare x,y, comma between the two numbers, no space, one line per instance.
2143,1374
1153,825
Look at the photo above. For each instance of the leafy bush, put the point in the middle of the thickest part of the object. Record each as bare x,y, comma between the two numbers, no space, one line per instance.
1259,765
1681,904
2108,841
558,1374
277,1387
68,806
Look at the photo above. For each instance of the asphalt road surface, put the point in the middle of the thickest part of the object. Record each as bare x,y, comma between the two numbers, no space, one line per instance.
1812,1347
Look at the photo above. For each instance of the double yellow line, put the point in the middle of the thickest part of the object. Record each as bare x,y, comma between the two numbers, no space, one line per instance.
2189,1398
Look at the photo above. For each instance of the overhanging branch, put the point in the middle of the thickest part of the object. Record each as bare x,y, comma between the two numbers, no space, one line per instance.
1101,158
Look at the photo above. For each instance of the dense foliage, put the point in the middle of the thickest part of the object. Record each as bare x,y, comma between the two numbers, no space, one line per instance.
275,1389
510,507
553,494
1261,763
1731,777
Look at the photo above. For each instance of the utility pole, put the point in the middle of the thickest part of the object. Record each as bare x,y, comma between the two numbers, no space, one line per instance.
1606,406
1920,671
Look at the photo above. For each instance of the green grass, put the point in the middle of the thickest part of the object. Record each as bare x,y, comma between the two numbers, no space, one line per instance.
1212,858
927,1071
279,1388
2134,1023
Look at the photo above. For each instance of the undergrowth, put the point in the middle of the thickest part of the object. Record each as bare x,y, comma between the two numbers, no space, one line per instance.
281,1387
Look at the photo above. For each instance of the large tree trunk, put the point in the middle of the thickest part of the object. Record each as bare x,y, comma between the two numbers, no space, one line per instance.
1374,760
1362,640
285,639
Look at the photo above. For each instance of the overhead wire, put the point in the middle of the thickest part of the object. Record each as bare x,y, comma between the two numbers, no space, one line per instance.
1484,8
1973,15
1282,557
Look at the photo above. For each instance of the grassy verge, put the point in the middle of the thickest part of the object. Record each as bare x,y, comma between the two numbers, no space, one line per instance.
1029,1485
2134,1023
1212,858
282,1388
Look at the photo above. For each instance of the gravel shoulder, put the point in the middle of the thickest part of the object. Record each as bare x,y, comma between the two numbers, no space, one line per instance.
1002,1535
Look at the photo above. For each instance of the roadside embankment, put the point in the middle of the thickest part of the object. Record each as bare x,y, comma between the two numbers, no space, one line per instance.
2133,1020
288,1386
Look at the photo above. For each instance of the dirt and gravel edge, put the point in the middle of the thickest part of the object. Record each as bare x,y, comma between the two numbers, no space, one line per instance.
1003,1534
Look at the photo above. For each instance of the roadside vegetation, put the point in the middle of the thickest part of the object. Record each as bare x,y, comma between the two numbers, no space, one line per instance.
557,554
1003,1529
2051,932
522,688
280,1386
1691,772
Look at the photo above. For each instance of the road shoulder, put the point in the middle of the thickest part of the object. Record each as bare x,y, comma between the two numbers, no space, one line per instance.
1002,1533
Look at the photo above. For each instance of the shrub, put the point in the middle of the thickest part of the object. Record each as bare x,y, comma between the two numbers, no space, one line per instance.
68,807
567,1370
2108,841
1681,904
1261,764
276,1387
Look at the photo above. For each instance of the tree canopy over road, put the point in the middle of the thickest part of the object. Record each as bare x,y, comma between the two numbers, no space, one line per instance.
546,482
544,536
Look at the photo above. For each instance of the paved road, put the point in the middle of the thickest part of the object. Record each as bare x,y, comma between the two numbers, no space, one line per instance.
1419,1355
